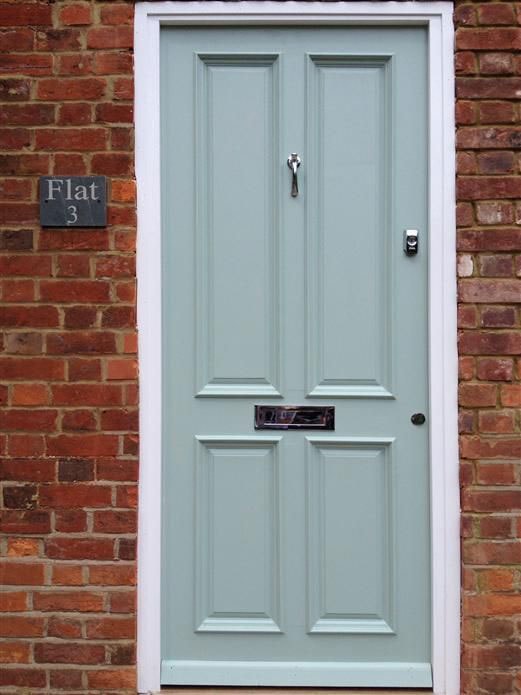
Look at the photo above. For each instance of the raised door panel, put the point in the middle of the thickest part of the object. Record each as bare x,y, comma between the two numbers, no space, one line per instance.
349,226
237,535
237,260
350,535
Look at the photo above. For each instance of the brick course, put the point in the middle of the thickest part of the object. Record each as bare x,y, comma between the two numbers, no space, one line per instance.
68,367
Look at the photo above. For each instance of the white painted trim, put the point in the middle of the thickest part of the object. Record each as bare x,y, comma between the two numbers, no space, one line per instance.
437,16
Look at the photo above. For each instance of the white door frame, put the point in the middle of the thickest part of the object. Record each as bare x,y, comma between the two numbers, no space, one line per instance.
437,17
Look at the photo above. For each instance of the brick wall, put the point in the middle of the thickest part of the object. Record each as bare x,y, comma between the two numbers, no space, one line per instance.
68,388
488,69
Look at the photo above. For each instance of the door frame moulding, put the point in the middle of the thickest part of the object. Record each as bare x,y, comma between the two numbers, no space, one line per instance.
445,555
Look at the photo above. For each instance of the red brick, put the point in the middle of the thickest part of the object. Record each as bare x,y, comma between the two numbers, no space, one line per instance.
80,549
495,527
79,420
21,164
112,63
490,343
22,678
18,290
18,626
496,266
28,470
492,553
112,679
78,342
116,266
23,547
15,213
66,680
119,317
75,240
495,112
55,40
112,575
77,14
498,317
112,164
73,266
25,14
124,88
111,628
511,395
496,13
495,369
33,265
488,39
500,422
15,89
84,369
466,112
466,368
114,113
80,317
68,601
74,496
124,420
115,522
496,162
117,13
74,470
64,628
32,64
86,394
75,64
14,653
75,114
110,37
465,63
486,656
80,140
24,521
29,394
17,39
73,164
83,445
496,474
74,291
15,189
71,89
15,138
69,653
28,420
30,316
26,445
27,114
496,64
479,448
13,601
477,395
22,573
122,602
70,520
116,469
467,316
67,575
20,496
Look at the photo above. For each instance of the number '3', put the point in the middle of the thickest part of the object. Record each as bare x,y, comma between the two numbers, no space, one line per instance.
72,214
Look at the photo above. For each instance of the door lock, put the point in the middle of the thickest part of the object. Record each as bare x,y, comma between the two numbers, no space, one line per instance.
410,242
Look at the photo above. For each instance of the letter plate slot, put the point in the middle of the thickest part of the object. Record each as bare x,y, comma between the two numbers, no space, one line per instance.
294,417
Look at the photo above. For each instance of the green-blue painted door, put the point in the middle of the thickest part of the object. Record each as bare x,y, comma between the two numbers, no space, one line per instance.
294,557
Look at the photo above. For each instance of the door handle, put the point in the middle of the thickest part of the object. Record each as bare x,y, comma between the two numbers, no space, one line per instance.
294,162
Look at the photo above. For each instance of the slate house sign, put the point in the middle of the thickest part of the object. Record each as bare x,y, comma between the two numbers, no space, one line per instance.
73,201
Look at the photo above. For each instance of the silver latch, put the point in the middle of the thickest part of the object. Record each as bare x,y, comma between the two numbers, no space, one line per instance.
410,242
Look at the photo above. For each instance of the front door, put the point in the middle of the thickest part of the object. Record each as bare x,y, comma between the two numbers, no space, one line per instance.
295,556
